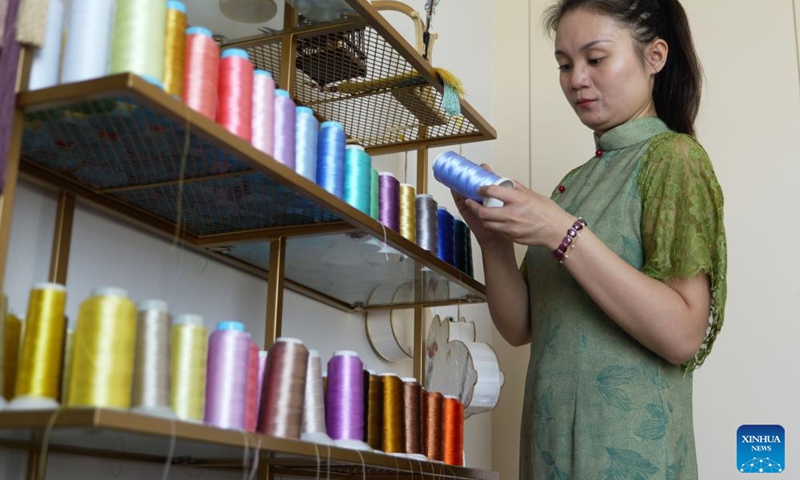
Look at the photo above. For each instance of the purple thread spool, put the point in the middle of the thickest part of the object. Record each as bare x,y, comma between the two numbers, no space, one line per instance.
389,203
344,400
226,386
284,128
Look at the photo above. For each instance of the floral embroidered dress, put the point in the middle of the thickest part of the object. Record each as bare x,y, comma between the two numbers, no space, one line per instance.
598,405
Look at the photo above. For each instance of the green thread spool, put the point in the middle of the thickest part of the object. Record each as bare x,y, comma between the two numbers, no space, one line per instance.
374,199
137,42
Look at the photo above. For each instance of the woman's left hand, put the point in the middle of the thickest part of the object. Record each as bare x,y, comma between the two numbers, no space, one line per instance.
526,217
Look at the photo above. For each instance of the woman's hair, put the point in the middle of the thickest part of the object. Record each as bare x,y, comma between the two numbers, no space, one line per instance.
677,87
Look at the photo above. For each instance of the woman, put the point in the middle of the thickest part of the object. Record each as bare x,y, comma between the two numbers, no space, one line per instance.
635,295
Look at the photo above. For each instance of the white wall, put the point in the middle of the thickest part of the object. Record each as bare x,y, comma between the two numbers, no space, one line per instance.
749,123
105,251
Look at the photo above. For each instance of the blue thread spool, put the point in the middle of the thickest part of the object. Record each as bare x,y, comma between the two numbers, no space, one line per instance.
446,240
357,178
460,244
330,157
306,127
465,177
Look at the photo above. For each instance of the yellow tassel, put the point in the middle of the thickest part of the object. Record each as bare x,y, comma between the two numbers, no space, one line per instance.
448,78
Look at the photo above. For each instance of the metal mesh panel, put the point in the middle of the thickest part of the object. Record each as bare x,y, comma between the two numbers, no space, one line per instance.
354,76
124,149
268,57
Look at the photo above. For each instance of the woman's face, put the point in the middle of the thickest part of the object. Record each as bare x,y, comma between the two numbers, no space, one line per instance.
602,75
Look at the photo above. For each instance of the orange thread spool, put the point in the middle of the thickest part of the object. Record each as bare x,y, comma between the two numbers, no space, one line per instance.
201,72
434,426
453,431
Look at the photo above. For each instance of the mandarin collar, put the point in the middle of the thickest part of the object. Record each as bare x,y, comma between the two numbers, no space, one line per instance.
630,133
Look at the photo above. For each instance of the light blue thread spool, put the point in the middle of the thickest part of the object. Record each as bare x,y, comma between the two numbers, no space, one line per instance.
466,177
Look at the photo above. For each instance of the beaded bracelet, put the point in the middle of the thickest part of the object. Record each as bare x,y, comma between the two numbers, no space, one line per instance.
569,240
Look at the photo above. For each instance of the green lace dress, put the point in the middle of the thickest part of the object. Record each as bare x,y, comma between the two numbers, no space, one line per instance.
598,405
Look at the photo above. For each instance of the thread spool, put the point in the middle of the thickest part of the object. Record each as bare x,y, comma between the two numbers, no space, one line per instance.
423,413
374,195
37,385
137,40
235,108
251,413
427,223
460,239
263,111
284,128
201,72
305,146
373,426
357,178
282,407
344,400
412,417
389,206
174,48
12,342
408,212
434,426
189,357
66,369
88,42
226,376
47,59
466,177
394,440
314,404
470,266
453,431
152,367
262,370
331,144
103,357
446,240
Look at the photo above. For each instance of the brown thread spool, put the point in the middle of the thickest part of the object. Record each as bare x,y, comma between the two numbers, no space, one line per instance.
434,426
453,431
411,404
284,391
423,414
374,412
393,428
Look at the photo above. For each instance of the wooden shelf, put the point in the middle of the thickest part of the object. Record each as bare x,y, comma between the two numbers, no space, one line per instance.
121,434
147,157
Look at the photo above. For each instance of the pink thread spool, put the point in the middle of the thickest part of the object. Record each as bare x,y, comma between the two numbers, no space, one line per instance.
201,72
226,386
235,111
263,112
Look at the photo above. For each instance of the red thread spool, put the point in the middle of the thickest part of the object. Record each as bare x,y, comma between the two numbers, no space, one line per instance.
201,73
235,111
251,413
453,431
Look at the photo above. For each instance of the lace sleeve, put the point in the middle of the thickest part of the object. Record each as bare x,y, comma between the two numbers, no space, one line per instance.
682,223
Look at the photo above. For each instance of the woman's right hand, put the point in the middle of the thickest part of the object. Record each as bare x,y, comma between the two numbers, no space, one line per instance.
482,235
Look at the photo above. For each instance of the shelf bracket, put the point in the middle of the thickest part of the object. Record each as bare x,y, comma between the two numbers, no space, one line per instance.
62,237
275,280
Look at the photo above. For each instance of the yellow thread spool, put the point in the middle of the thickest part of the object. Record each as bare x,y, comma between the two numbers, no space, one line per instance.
408,212
39,370
69,344
11,354
174,48
103,356
394,439
189,350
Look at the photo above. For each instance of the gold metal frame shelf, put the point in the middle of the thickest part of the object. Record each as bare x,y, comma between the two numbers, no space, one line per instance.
120,434
128,146
364,74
